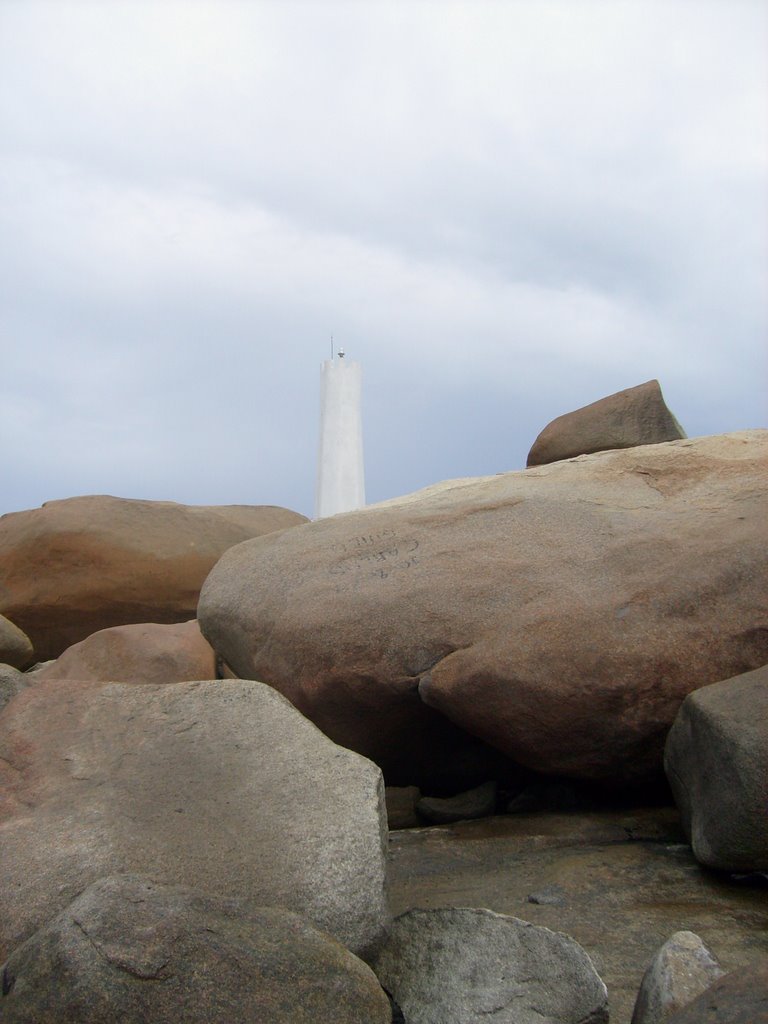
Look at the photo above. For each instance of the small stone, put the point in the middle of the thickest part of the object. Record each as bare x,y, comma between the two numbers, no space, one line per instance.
474,803
549,896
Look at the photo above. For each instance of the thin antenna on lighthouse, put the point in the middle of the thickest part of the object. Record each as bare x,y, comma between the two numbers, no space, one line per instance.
331,348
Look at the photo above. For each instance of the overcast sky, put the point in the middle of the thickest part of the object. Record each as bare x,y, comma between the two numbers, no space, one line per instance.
505,210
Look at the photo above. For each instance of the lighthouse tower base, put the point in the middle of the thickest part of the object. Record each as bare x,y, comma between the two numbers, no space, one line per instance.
340,474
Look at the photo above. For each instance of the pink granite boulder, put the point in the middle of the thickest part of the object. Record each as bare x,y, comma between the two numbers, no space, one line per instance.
79,565
141,653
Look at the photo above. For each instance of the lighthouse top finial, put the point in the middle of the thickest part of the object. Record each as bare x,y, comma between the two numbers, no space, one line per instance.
341,353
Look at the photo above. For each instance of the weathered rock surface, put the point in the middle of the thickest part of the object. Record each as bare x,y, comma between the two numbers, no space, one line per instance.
739,998
636,416
473,803
219,786
716,761
681,970
15,646
140,653
131,951
11,682
79,565
619,882
460,965
560,614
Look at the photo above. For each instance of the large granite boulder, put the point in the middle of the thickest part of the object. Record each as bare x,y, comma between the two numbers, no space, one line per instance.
740,997
218,786
716,759
131,951
82,564
141,653
15,646
463,965
681,970
636,416
560,614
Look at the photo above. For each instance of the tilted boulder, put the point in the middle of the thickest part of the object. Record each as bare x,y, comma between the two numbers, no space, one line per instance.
716,760
132,951
463,965
636,416
79,565
15,646
140,653
218,786
681,970
560,614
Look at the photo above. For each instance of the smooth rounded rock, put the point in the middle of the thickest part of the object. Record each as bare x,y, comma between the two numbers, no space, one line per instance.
79,565
146,652
132,951
463,965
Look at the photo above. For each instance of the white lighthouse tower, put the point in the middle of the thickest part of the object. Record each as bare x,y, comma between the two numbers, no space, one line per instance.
340,475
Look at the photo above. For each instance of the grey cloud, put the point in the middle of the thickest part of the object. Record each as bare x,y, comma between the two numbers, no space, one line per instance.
504,210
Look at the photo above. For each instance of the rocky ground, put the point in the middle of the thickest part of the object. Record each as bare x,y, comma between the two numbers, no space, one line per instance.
619,882
568,643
